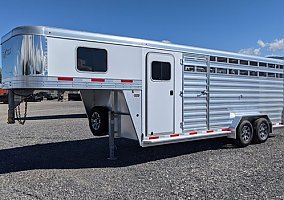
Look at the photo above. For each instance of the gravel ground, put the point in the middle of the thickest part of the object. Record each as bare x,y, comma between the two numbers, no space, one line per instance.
55,156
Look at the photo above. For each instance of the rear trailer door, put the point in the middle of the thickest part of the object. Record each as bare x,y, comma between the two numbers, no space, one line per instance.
160,94
196,74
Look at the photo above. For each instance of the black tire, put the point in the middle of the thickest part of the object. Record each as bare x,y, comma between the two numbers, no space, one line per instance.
261,130
244,134
98,121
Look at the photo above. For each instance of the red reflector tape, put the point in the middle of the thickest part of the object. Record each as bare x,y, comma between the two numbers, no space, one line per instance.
174,135
98,80
126,81
209,131
192,133
153,137
226,129
65,79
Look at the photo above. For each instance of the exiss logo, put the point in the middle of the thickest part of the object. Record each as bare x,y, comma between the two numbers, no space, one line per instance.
6,52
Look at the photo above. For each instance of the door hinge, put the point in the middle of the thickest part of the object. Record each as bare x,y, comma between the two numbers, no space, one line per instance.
181,125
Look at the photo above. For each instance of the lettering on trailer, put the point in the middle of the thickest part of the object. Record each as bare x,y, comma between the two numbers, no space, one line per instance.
6,52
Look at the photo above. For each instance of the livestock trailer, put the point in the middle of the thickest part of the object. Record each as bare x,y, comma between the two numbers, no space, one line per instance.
154,92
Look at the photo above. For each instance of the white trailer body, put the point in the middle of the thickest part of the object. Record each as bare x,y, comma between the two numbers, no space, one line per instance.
161,93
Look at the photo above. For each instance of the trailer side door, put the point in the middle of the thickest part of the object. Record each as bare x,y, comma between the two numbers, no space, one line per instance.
160,93
196,81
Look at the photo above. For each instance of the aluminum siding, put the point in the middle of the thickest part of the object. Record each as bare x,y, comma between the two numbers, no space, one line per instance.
229,95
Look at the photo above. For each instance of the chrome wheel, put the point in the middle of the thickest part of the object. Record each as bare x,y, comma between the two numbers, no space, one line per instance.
96,121
263,131
246,134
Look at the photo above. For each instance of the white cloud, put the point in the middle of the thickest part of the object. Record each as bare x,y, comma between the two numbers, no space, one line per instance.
251,51
276,45
261,43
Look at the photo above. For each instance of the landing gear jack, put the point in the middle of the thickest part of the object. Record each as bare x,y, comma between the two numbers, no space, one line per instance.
11,110
111,136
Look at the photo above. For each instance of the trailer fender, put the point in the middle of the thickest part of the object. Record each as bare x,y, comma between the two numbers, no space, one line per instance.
250,117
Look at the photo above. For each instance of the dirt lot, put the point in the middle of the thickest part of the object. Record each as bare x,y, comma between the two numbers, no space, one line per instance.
55,156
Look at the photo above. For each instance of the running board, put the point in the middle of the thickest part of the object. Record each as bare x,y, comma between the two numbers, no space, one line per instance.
276,126
182,137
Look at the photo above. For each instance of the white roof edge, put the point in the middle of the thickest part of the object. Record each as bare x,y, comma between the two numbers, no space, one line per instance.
88,36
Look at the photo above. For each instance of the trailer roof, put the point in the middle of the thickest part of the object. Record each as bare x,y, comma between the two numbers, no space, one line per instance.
88,36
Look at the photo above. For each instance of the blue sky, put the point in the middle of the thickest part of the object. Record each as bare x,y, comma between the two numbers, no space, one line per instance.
248,26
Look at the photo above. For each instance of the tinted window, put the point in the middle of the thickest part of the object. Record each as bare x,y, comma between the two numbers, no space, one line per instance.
234,61
212,70
272,75
221,71
253,73
233,71
221,59
244,72
91,60
263,74
253,63
271,65
212,58
243,62
201,69
161,70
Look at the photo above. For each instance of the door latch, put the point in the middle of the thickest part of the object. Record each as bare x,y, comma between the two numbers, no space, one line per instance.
204,92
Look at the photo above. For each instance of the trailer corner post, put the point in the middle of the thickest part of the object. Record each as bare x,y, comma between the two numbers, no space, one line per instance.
111,136
11,110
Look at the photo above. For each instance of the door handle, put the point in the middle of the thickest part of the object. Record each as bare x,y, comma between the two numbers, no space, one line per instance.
171,92
204,92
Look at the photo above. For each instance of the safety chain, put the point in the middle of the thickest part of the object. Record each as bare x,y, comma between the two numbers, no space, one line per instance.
18,113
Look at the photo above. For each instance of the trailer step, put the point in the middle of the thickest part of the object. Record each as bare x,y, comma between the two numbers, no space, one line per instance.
183,137
278,125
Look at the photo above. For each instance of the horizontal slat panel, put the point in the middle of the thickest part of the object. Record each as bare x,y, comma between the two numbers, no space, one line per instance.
228,94
244,94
